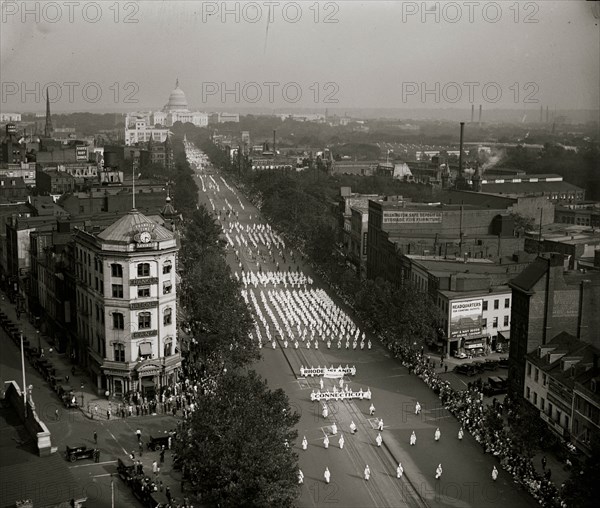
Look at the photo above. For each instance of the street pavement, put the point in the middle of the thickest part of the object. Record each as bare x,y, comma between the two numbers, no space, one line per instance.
466,480
53,479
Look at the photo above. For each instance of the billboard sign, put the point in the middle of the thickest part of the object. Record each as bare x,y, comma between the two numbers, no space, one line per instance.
466,318
405,217
81,153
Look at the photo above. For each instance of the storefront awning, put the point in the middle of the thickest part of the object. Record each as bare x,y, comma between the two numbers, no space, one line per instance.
147,382
145,349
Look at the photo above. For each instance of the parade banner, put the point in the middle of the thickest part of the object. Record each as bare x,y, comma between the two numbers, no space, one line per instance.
328,372
340,395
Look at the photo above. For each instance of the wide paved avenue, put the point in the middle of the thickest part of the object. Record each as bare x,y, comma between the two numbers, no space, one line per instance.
466,480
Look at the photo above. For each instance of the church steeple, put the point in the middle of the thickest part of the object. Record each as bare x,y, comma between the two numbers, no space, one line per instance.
48,129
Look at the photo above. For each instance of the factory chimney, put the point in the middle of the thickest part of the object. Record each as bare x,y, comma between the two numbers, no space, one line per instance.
472,113
460,149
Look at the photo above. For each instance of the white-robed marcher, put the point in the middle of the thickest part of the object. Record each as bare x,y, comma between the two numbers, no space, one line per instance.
380,424
399,470
379,439
321,384
367,473
494,473
353,427
327,475
326,442
341,441
437,434
300,476
417,408
325,411
372,409
304,443
413,439
438,472
460,433
334,429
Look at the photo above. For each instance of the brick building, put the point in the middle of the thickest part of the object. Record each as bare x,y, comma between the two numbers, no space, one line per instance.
560,382
547,300
396,228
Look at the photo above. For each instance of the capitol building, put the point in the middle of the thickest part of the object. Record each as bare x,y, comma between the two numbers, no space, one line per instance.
143,125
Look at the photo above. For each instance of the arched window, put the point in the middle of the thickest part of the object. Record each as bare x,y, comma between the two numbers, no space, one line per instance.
168,348
168,316
118,321
167,266
143,270
144,320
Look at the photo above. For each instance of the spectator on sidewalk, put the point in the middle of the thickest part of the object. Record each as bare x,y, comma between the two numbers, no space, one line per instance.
95,438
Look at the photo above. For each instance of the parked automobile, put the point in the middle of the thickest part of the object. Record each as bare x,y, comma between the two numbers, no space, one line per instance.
503,362
490,365
460,354
479,366
495,385
467,369
156,443
74,453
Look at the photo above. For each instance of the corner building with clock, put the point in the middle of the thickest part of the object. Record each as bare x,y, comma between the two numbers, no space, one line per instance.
127,305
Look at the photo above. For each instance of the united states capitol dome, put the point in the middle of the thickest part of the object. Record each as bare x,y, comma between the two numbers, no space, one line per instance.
177,100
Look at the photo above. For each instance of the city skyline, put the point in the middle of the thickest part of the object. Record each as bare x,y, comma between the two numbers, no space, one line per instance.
301,56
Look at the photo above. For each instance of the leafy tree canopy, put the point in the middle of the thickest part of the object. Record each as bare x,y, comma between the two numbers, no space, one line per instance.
234,445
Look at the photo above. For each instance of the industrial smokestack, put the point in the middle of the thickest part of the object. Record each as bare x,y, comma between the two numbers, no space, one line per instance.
480,114
460,150
472,113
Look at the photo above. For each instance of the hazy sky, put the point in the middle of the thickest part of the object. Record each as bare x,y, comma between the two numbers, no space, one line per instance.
369,54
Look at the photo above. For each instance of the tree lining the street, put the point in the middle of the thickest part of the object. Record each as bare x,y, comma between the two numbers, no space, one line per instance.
236,445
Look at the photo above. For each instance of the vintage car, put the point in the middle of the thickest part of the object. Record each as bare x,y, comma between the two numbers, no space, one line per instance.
156,443
503,362
490,365
495,385
126,469
74,453
460,354
466,369
67,395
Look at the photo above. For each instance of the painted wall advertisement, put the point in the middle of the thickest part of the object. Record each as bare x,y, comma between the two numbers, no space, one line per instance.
466,318
411,217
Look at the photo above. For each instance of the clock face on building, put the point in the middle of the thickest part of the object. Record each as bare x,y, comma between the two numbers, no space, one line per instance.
145,237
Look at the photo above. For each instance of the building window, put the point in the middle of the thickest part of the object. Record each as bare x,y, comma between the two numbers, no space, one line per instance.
528,370
117,290
144,270
484,322
485,305
168,349
544,379
506,320
118,321
542,403
119,350
535,398
167,267
143,291
145,351
507,303
496,304
536,375
527,393
144,320
168,316
495,322
116,270
167,286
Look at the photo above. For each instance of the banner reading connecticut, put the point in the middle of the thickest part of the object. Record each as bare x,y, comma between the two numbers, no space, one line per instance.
466,318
